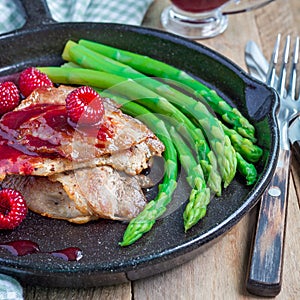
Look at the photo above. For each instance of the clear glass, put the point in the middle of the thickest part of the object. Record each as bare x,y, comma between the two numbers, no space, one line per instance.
201,19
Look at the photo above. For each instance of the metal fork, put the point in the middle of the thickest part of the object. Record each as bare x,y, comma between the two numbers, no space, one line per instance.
266,257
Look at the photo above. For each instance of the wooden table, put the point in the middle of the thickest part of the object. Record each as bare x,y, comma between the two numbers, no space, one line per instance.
219,273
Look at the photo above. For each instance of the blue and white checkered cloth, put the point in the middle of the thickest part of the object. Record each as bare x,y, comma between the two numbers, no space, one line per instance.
115,11
10,289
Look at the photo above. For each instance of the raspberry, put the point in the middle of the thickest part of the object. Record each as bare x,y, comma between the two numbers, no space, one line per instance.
84,105
9,96
30,79
13,208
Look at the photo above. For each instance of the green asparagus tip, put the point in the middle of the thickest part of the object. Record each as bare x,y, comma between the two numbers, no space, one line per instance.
196,208
188,224
128,242
135,230
247,169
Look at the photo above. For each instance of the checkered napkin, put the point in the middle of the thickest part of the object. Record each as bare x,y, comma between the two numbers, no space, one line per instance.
115,11
10,289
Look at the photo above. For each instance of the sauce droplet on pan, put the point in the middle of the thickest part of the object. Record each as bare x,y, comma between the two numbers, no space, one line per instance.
26,247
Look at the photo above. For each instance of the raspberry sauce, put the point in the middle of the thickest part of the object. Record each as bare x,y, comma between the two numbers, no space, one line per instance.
69,254
26,247
198,6
43,131
14,158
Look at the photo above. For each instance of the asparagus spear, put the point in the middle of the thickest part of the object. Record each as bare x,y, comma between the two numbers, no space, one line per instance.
141,224
205,156
208,163
200,194
157,68
243,145
89,59
248,170
128,88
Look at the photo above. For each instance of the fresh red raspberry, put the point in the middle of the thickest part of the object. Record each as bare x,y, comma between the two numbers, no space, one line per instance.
30,79
13,208
9,96
84,106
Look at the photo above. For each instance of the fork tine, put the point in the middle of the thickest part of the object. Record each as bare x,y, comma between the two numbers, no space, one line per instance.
271,75
282,76
293,76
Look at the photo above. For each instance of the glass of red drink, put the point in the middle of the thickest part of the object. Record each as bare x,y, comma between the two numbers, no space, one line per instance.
199,19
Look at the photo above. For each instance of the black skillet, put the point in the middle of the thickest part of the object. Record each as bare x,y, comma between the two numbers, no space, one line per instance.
104,262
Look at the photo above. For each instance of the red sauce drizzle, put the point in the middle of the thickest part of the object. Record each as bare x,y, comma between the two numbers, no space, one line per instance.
10,158
26,247
39,131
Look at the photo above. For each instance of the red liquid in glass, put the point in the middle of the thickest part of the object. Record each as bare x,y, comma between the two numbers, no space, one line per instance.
198,6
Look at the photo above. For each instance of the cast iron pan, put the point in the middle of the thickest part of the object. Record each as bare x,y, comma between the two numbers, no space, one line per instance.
104,262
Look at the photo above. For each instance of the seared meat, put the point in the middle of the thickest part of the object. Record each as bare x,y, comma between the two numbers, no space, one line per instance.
76,174
103,192
38,140
82,195
132,161
47,198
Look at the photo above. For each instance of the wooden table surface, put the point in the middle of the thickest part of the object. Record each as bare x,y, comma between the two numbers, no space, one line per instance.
218,273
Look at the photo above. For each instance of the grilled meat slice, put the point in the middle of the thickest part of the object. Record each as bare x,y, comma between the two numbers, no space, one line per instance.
103,192
13,161
47,198
82,195
38,139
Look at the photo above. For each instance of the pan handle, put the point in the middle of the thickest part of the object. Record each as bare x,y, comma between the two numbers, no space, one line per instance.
36,14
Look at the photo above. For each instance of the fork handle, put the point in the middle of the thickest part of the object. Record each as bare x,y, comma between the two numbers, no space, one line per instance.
264,276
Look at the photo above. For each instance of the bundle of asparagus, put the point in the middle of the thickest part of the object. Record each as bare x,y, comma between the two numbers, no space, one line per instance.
190,128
